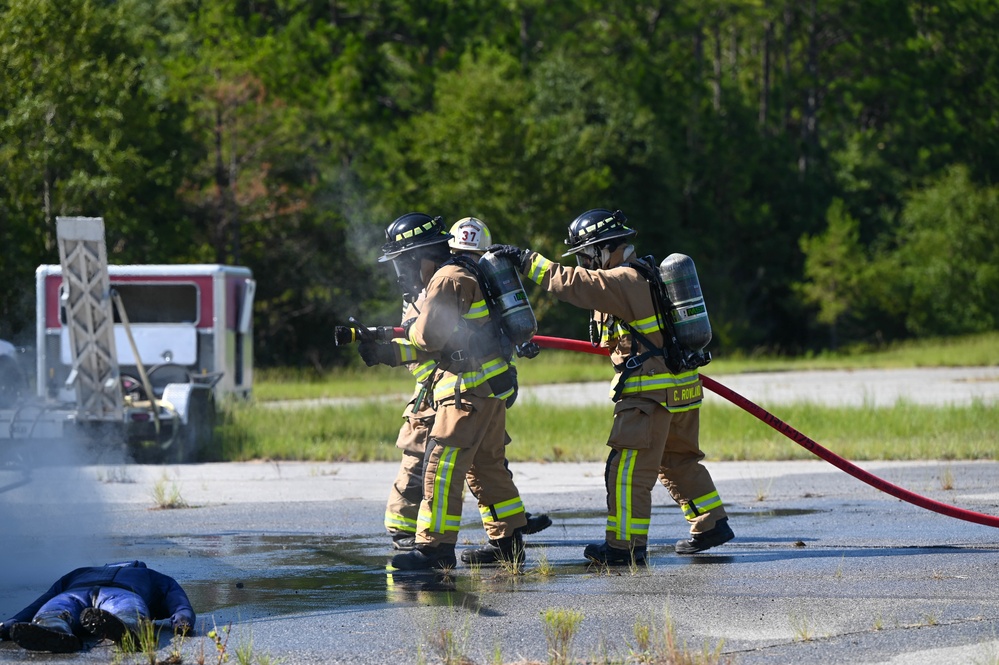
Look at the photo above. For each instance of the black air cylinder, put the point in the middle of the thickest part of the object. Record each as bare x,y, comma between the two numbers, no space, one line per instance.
689,314
507,293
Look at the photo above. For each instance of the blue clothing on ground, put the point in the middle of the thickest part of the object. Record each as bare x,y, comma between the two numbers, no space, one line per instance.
127,590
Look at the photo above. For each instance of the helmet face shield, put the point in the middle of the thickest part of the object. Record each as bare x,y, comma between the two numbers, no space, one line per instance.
408,276
586,257
409,240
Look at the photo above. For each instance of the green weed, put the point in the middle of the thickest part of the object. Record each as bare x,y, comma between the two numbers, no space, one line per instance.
656,643
167,497
561,626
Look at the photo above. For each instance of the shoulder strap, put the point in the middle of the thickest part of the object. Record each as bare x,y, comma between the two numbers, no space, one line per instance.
670,351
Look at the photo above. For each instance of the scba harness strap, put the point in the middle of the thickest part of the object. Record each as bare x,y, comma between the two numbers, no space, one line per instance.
675,357
488,340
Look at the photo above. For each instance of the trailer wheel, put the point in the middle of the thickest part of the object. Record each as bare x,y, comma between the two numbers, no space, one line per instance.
197,441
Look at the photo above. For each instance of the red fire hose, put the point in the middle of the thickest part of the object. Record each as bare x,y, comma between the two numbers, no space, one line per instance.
799,438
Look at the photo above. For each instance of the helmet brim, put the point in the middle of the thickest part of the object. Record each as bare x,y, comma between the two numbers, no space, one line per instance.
623,232
390,254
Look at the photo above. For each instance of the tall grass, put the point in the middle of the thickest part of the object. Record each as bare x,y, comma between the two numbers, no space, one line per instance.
366,431
545,433
567,367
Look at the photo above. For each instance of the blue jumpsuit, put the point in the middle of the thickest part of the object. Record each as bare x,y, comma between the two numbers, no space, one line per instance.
127,590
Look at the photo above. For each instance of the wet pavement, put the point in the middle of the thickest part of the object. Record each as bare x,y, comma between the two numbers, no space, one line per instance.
292,556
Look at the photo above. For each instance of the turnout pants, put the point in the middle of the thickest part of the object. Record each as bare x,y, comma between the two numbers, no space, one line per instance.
649,443
403,504
467,445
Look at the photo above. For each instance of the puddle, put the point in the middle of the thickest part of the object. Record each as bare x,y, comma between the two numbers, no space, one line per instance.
775,512
266,575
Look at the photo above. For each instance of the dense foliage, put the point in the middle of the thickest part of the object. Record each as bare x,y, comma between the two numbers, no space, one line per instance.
829,165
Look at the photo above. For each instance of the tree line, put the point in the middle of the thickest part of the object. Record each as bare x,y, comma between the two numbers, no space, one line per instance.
829,165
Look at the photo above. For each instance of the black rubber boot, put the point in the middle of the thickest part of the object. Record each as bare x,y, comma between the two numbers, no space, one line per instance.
614,556
107,626
404,541
426,557
721,533
50,633
535,524
509,549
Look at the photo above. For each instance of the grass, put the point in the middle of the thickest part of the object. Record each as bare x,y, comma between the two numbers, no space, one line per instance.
366,430
167,498
656,643
543,433
561,626
567,367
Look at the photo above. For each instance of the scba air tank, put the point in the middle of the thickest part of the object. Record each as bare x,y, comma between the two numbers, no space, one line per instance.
507,295
689,314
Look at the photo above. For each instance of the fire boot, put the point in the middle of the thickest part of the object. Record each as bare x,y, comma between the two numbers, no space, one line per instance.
426,557
614,556
535,524
107,626
47,632
403,541
721,533
509,550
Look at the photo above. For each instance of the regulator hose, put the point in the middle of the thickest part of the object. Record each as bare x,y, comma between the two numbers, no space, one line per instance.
799,438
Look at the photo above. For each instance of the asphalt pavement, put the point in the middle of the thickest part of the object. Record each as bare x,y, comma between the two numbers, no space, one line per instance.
292,559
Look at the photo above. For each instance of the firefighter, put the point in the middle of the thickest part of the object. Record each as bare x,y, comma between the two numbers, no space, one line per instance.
403,504
469,388
99,601
656,410
471,236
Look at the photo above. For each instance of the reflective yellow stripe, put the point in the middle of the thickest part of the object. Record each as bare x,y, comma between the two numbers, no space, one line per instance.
437,520
701,505
622,522
494,367
647,325
504,510
478,310
398,522
407,350
423,370
640,383
538,268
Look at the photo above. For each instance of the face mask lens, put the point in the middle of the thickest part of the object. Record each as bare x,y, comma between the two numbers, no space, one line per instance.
407,271
586,259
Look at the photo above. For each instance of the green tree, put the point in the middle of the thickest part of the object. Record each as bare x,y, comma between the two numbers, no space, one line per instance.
947,258
83,131
834,264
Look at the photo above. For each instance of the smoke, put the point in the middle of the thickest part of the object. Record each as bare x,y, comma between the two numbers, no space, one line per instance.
52,515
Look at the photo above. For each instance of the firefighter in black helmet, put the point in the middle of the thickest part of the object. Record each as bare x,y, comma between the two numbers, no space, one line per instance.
656,410
466,387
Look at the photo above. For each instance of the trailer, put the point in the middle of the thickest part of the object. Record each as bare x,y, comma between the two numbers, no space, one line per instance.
135,355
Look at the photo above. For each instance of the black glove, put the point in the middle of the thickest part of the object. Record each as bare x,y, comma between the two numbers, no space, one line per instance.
5,630
377,353
514,253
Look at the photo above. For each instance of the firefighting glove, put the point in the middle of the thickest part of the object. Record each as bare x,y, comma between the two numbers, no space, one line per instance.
377,353
512,252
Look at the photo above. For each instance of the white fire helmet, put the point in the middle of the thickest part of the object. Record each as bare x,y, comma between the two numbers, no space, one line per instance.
470,235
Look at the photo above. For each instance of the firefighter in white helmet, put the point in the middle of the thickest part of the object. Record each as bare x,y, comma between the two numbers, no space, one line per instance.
469,387
656,411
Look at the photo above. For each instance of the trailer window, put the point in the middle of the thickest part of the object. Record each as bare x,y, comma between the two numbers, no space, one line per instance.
158,303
